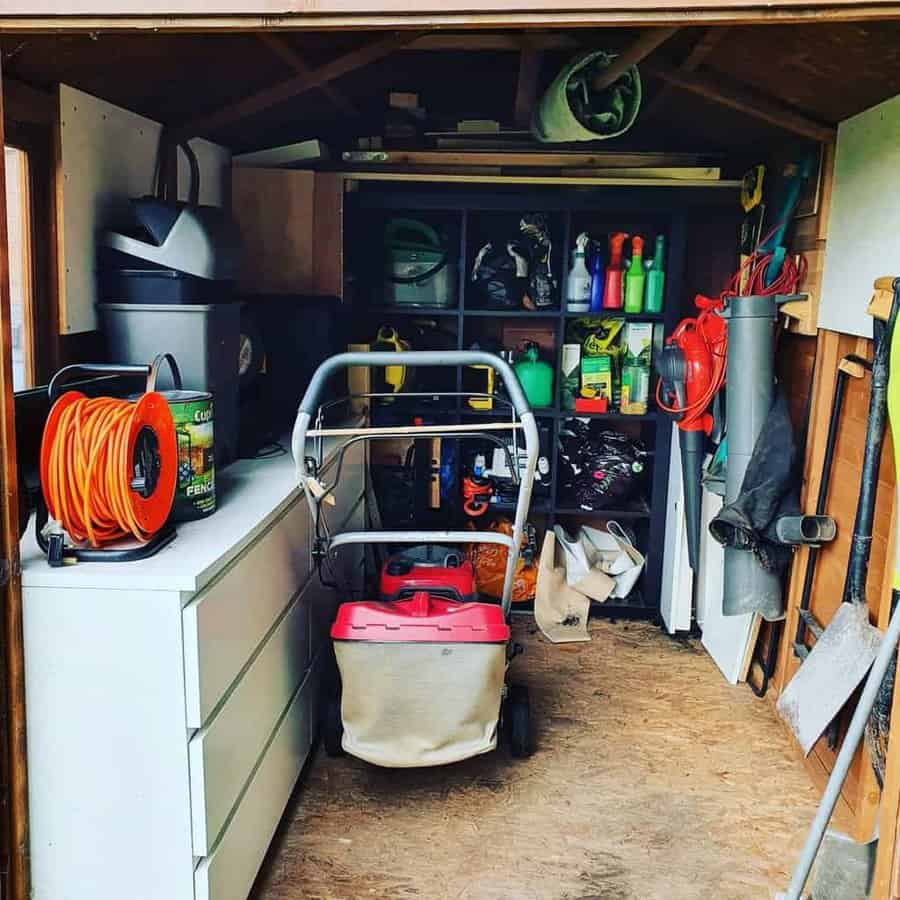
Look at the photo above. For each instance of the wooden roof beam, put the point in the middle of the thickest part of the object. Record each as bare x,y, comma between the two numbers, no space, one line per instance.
636,52
530,60
294,87
284,51
746,101
709,39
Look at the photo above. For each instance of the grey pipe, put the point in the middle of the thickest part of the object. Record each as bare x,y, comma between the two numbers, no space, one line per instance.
844,759
748,398
808,530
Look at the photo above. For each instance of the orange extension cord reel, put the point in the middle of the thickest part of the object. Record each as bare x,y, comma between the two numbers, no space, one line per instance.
108,469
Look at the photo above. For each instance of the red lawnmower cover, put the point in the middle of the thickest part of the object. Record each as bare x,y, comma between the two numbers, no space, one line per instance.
424,618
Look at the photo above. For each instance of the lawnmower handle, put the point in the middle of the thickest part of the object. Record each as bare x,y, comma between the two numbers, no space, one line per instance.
445,358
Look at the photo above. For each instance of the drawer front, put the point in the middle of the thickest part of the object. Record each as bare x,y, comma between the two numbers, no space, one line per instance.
225,624
228,873
223,753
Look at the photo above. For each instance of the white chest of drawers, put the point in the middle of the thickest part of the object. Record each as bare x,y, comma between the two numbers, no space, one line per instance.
171,702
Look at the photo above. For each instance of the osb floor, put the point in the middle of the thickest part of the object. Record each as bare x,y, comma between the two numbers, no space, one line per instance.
653,778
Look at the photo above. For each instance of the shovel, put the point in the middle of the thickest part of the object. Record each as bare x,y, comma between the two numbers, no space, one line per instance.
845,650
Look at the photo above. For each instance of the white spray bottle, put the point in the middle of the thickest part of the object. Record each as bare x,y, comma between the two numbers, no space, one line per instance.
578,284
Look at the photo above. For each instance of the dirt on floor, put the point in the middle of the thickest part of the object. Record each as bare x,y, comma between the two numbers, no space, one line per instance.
652,778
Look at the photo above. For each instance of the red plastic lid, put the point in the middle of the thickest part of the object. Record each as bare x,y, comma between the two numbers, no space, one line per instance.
421,619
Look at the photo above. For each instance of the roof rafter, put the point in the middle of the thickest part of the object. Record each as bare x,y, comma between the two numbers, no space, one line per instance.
282,49
298,84
745,100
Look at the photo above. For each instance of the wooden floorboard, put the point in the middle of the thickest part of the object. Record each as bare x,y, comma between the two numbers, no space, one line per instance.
653,779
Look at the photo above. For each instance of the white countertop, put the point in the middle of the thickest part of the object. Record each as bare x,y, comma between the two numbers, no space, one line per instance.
251,494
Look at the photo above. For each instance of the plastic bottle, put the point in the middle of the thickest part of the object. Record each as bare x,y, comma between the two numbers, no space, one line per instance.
656,278
598,278
535,376
612,290
578,284
634,278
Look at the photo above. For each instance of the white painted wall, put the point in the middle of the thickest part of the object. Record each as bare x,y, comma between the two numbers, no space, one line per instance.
864,224
109,155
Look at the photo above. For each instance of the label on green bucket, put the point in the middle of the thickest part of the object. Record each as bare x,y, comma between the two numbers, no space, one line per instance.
195,492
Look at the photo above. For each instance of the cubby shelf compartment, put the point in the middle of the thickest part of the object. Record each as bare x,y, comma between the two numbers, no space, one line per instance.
470,213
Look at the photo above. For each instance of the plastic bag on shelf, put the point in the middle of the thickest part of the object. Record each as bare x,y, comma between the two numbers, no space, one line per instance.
599,469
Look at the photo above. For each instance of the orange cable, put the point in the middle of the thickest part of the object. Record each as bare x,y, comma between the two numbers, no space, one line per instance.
88,488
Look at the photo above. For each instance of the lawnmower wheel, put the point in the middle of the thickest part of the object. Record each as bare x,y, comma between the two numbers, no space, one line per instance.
332,727
518,722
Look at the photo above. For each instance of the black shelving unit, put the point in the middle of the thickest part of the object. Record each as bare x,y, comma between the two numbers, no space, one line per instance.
599,210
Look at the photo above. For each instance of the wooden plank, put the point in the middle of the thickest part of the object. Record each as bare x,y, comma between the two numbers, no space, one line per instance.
13,662
745,101
195,16
530,60
826,189
299,84
360,13
281,48
274,209
726,184
524,159
828,354
645,44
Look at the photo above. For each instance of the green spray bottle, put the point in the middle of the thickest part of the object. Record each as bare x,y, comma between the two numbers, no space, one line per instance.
656,278
634,277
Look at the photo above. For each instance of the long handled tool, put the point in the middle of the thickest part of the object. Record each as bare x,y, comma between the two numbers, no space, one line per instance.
883,658
846,648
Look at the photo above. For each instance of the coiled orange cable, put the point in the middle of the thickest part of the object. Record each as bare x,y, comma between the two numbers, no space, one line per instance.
88,463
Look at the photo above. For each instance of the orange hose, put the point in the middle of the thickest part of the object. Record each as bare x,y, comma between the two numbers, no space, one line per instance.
89,467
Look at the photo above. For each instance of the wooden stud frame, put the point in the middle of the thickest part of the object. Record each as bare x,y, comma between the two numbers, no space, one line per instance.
15,875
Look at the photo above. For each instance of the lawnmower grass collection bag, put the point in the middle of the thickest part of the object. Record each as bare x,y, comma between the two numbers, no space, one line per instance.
422,679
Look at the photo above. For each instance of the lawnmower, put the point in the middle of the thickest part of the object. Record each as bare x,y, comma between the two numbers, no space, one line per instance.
442,571
423,668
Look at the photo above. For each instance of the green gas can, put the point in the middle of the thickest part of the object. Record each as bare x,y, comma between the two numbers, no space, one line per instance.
535,376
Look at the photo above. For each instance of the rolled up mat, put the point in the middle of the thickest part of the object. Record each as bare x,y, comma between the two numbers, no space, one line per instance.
571,111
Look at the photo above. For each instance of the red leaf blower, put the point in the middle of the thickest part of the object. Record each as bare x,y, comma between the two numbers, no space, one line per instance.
691,370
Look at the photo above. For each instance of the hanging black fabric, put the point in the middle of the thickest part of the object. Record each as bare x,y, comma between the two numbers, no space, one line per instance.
770,490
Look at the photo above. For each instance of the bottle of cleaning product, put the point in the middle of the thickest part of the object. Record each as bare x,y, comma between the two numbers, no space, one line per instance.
578,284
634,277
656,278
598,278
612,290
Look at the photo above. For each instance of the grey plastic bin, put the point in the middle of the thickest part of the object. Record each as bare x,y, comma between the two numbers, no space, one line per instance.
204,339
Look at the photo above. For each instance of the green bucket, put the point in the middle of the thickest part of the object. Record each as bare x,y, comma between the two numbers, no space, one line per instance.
571,111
